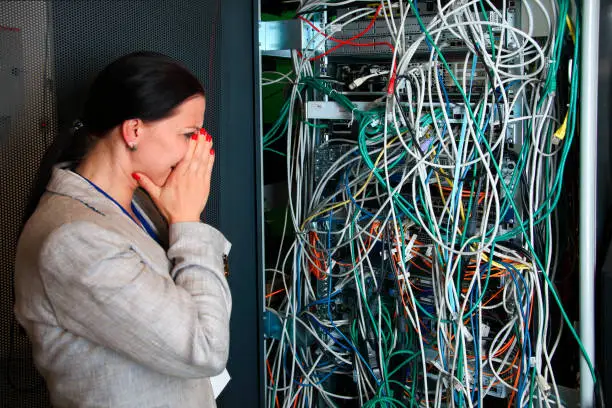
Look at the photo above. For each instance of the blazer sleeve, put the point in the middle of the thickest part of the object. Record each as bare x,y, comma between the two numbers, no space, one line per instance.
100,289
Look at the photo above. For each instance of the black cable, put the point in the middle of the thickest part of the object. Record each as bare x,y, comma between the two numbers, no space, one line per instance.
599,395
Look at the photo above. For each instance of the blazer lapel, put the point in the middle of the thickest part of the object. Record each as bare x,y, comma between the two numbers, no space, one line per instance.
66,183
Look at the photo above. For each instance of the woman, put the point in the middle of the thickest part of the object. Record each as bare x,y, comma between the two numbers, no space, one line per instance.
115,319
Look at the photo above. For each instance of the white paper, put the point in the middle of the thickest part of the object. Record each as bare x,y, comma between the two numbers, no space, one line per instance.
219,382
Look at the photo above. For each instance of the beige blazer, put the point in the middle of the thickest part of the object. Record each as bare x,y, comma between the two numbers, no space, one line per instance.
115,319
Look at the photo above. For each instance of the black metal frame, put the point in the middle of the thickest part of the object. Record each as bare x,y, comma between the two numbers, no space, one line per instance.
241,205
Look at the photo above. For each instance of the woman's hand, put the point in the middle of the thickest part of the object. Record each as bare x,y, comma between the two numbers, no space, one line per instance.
184,195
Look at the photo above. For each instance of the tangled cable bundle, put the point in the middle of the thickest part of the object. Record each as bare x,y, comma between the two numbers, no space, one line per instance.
422,250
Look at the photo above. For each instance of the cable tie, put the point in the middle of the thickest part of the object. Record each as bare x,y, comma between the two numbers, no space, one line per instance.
408,250
532,362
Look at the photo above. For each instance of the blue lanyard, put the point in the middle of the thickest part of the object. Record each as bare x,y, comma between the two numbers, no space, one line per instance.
137,213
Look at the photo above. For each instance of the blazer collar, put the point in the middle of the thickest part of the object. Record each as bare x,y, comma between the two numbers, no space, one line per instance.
67,183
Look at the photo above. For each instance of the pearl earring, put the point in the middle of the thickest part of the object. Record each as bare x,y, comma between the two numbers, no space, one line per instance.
132,146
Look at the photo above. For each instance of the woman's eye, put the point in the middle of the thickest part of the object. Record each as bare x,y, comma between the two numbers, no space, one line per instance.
188,135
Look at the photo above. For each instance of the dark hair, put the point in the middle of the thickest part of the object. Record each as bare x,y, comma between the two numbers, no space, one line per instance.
144,85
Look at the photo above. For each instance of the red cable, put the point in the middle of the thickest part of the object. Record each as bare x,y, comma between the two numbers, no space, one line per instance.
269,295
350,40
351,43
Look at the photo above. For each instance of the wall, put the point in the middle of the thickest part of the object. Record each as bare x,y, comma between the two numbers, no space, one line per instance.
215,40
23,141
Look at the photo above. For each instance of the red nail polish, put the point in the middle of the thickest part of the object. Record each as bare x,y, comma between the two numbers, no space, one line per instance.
136,176
194,136
208,138
212,152
202,131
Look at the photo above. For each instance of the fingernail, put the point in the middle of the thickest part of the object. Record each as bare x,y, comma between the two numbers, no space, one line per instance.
212,152
136,176
194,136
208,138
202,131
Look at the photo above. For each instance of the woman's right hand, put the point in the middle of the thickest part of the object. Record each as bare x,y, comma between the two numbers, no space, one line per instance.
184,195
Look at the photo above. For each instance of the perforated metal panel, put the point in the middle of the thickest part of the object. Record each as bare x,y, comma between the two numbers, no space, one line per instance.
62,45
26,118
90,34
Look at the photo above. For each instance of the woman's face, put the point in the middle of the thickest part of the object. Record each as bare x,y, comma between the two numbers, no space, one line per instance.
163,144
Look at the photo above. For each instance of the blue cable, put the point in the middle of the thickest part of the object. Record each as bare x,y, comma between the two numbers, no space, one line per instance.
527,343
327,332
329,277
319,382
352,198
322,301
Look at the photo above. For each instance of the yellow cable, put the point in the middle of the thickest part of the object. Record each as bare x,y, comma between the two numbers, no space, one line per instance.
361,190
450,183
444,200
560,133
520,267
570,27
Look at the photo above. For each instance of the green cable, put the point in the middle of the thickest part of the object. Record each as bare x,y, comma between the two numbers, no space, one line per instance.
531,388
357,280
316,126
546,206
504,186
484,15
275,151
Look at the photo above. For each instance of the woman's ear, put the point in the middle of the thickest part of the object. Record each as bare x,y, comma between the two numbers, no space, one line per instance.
130,130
